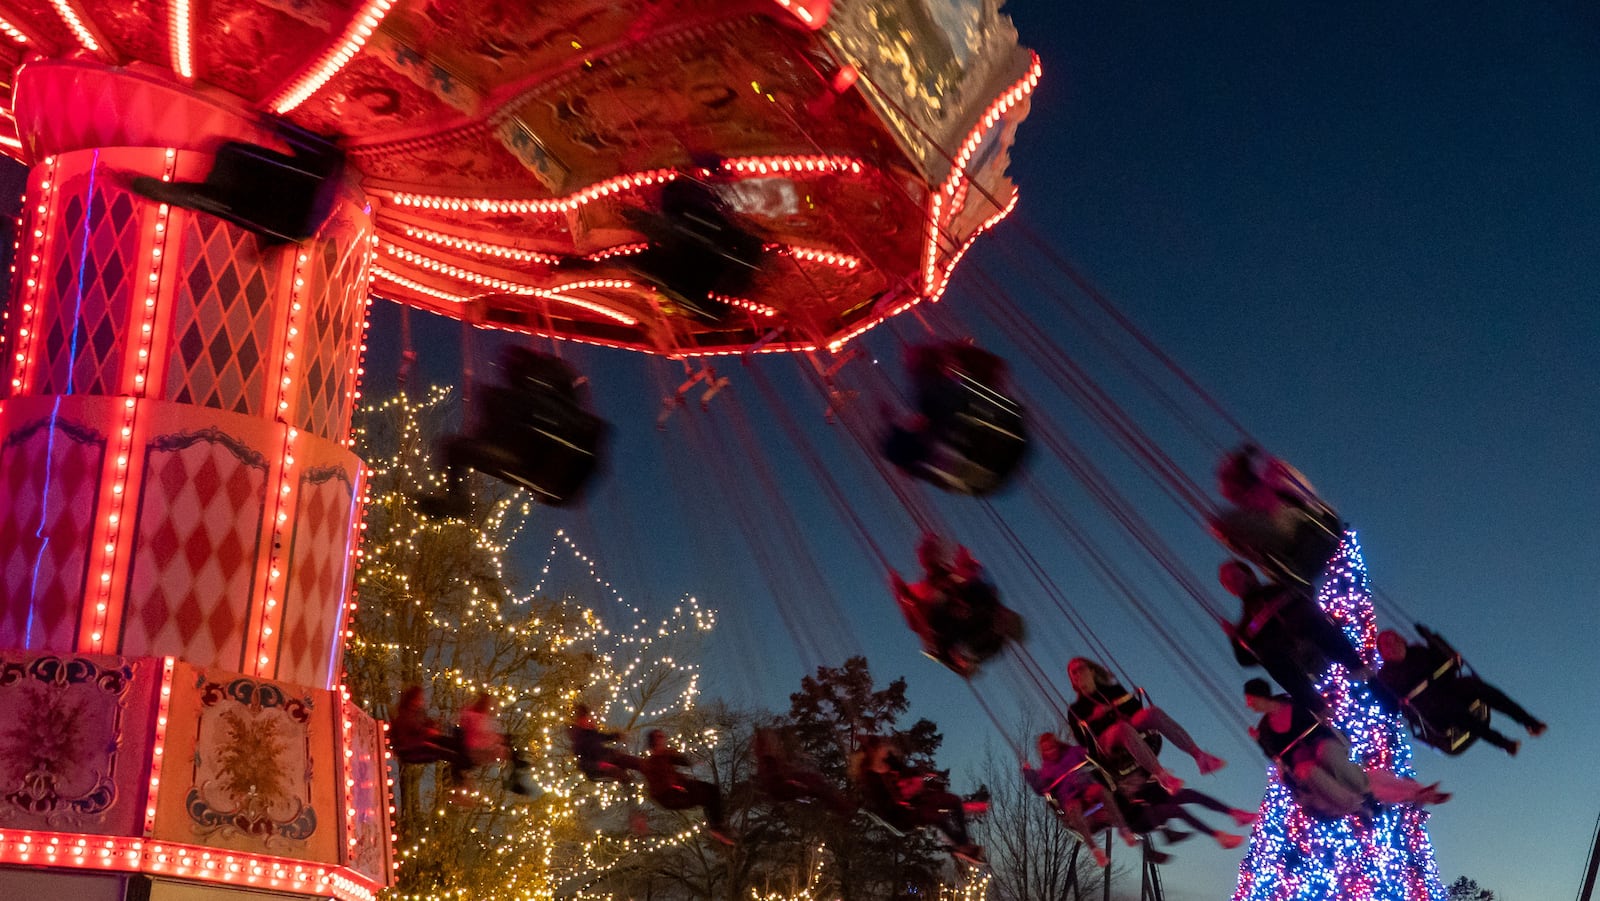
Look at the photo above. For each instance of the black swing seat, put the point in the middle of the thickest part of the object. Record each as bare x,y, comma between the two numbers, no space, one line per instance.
1293,549
280,197
1442,724
552,450
987,432
696,249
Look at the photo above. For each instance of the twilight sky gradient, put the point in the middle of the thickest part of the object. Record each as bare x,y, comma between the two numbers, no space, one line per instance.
1373,231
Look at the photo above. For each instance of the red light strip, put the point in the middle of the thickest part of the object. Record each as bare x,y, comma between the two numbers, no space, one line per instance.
800,12
22,377
760,309
621,250
621,184
439,239
420,288
617,185
158,752
158,240
70,18
12,32
347,756
195,862
812,255
353,394
653,350
945,201
179,13
768,165
334,58
388,792
280,517
509,287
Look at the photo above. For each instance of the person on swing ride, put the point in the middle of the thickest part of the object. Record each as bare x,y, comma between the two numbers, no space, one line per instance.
592,746
1151,807
1281,629
905,797
672,789
414,736
784,779
955,610
482,742
1434,693
1067,777
1108,719
1314,761
1277,521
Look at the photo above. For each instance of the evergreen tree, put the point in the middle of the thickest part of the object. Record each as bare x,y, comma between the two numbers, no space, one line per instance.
436,608
828,717
1294,857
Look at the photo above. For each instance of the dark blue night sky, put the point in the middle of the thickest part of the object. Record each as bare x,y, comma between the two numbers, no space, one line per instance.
1373,231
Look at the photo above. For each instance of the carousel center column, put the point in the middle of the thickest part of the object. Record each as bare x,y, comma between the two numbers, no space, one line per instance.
179,518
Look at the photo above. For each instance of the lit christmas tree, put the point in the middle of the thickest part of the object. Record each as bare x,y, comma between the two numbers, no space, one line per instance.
1294,857
435,609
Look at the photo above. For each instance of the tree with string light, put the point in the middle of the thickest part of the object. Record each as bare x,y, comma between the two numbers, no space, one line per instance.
436,608
1296,857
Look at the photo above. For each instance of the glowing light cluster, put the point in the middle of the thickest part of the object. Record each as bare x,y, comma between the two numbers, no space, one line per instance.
621,250
196,862
69,17
115,507
617,185
346,760
812,255
11,32
501,251
506,286
800,11
159,750
178,13
337,57
760,309
158,243
21,377
944,205
1294,857
414,285
282,500
769,165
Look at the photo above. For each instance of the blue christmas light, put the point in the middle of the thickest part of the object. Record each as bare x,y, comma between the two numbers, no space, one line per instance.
1294,857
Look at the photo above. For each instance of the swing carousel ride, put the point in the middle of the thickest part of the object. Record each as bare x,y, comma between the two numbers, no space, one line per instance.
217,190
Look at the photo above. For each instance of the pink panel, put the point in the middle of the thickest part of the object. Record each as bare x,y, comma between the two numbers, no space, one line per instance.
316,576
222,318
93,271
49,483
76,742
120,108
368,797
194,560
335,296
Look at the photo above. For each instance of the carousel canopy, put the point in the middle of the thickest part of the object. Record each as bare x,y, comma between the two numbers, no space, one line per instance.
515,154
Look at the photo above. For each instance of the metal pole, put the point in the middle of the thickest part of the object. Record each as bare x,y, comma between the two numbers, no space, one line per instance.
1587,892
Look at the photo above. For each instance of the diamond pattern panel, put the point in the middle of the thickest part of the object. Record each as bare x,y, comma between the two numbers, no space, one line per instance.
333,331
90,285
49,483
316,576
195,557
222,319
